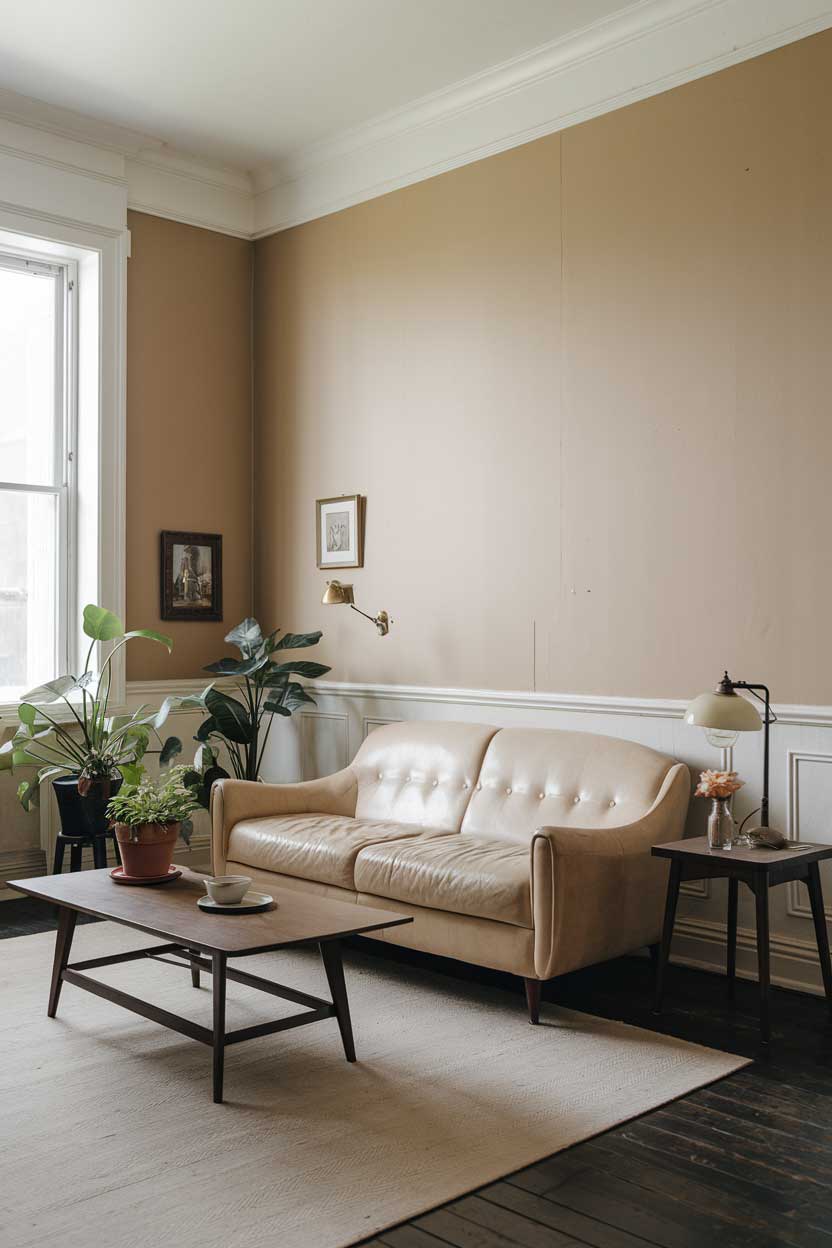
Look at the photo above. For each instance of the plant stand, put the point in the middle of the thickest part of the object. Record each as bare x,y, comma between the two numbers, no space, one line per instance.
77,844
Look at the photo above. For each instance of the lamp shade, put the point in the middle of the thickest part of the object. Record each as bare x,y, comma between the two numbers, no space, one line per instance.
725,712
337,595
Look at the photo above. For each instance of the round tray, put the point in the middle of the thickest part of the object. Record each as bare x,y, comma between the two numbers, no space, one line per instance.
263,902
118,875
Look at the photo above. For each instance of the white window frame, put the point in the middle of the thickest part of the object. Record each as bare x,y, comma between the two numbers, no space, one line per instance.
65,401
94,260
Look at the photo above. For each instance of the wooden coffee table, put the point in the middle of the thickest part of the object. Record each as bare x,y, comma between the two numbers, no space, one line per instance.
170,911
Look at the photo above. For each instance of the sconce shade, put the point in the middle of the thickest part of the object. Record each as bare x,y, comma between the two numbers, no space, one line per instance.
337,595
727,712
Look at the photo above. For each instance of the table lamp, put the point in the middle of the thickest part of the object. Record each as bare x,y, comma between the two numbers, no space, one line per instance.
338,595
724,714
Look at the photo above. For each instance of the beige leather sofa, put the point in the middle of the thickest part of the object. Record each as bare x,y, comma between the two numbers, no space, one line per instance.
519,849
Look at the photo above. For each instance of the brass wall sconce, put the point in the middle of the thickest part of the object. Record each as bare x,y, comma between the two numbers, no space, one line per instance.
338,595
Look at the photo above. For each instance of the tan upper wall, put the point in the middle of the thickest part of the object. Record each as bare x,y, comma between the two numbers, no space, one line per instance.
188,425
584,385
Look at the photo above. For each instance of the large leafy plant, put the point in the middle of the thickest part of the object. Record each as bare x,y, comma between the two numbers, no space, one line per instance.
83,738
265,687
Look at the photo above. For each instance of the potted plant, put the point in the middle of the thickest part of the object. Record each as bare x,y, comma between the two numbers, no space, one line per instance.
265,688
84,750
148,818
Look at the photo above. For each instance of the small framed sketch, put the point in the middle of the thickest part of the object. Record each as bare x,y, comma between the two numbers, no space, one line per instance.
190,576
339,524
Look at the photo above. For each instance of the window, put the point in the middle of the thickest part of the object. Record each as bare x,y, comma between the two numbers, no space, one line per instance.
37,443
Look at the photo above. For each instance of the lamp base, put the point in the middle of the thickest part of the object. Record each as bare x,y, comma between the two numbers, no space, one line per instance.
761,838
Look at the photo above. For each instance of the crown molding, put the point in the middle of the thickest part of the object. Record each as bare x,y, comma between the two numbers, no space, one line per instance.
638,52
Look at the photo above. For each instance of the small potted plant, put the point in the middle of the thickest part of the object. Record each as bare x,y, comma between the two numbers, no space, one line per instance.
148,818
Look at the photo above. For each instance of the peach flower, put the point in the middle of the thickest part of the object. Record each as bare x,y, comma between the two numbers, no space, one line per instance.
718,784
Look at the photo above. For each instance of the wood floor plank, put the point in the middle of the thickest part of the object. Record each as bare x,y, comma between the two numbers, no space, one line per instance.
520,1231
568,1221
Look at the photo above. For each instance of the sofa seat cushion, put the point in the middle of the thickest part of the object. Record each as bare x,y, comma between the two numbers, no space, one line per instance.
311,847
485,878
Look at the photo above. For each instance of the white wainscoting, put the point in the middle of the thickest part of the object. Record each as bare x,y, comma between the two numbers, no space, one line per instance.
324,738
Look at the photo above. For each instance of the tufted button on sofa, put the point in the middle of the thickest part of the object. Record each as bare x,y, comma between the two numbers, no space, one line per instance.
525,850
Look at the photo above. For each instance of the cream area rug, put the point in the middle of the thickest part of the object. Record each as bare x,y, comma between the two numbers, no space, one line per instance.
109,1137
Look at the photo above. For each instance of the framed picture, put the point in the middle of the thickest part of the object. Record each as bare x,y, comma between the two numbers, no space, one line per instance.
339,526
190,576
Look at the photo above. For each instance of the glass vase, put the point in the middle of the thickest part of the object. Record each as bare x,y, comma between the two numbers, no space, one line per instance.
720,824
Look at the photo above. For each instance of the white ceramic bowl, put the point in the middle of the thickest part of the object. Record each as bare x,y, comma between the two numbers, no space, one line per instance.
227,890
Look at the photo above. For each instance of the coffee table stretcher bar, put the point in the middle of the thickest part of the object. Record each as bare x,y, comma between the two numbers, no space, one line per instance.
176,953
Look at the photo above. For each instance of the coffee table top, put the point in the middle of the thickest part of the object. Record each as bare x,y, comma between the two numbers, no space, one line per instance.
170,910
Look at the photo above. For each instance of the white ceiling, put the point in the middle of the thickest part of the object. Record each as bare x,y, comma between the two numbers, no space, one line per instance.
246,82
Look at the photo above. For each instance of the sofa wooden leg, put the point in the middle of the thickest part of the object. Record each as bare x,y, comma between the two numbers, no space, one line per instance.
533,987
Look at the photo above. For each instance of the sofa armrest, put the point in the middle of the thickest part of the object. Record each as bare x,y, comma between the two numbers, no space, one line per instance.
598,893
235,800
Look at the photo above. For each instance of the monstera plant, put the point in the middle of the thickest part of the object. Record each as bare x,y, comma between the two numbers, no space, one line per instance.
84,750
264,688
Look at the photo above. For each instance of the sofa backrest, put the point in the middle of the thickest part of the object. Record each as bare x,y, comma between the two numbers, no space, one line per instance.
420,773
534,777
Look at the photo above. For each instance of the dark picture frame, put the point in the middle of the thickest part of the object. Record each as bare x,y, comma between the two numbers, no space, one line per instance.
190,575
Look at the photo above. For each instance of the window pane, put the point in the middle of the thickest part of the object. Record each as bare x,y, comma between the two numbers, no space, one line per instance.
28,525
27,378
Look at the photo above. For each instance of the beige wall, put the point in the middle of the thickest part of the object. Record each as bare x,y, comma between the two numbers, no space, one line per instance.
188,426
584,385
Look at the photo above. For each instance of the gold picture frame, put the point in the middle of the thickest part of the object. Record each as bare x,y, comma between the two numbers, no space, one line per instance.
339,531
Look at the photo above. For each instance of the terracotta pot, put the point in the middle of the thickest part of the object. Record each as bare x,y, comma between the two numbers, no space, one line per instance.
147,848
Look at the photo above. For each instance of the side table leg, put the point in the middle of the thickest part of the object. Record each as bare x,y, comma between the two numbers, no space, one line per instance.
63,944
731,968
821,934
673,883
334,967
218,975
763,952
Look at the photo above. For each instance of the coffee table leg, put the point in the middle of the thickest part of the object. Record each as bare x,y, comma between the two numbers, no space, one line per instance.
334,967
673,883
821,935
195,971
733,891
63,944
763,955
218,976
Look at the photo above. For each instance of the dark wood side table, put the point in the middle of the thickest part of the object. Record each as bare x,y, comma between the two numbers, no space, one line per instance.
760,869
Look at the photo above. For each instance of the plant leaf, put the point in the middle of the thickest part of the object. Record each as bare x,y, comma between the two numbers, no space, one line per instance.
296,641
169,750
276,708
205,757
27,713
247,636
52,690
205,729
186,831
101,624
295,696
237,667
28,792
232,718
131,772
301,668
151,635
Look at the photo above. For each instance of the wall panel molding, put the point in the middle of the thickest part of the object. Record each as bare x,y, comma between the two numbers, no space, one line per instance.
798,896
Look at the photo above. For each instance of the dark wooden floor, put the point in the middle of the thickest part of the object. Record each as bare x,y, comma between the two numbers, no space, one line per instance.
745,1162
